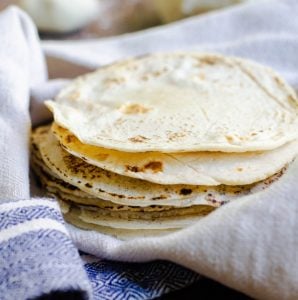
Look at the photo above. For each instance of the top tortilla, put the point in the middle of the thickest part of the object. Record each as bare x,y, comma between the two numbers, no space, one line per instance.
180,102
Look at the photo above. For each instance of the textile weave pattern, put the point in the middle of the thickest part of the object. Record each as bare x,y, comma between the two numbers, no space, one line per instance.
36,249
117,280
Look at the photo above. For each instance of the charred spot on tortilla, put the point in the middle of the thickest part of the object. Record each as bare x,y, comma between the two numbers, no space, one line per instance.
185,191
154,166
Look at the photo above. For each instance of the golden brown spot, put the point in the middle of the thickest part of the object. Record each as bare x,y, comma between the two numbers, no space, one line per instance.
292,99
229,138
138,139
277,80
102,156
133,108
156,73
60,128
239,169
134,169
154,166
43,130
113,81
137,197
69,139
253,134
78,166
161,197
208,60
176,135
116,195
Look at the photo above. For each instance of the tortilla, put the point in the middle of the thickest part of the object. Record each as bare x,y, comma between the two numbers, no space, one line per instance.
195,168
106,210
98,183
129,213
57,189
122,234
105,218
182,102
214,197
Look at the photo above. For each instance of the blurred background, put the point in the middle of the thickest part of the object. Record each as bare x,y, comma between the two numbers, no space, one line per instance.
86,19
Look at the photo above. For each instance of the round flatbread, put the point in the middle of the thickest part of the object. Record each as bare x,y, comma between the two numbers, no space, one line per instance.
180,102
130,191
144,221
56,188
195,168
214,197
122,234
130,213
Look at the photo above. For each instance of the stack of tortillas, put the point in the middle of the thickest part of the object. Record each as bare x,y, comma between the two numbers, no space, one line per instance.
150,145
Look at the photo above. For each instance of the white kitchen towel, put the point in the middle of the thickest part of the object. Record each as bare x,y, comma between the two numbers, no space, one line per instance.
250,245
37,256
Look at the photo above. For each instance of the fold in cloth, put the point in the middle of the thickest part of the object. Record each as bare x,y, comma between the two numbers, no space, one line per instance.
37,256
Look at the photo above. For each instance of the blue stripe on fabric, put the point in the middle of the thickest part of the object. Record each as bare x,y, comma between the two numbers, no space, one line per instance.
39,262
23,214
117,280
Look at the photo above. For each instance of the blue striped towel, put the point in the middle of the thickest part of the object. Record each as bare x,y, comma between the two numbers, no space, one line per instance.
38,258
37,255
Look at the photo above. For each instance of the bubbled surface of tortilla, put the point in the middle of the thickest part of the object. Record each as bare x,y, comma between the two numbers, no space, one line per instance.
180,102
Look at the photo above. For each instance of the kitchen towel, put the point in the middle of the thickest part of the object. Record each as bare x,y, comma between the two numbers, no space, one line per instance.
37,256
249,245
